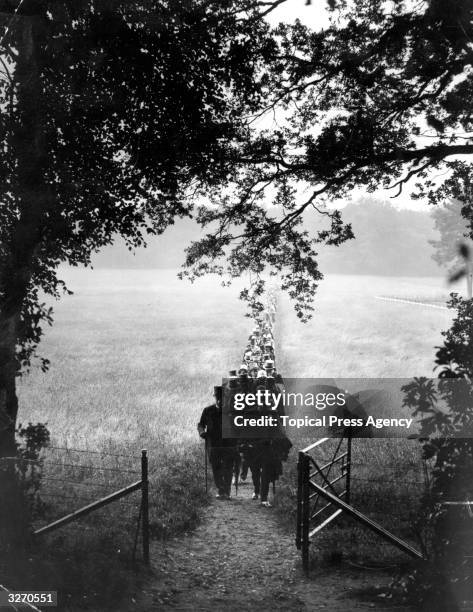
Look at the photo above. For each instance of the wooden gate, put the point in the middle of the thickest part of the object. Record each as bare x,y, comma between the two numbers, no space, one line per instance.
330,483
313,511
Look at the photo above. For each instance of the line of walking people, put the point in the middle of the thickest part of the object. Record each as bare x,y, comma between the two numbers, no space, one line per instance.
232,458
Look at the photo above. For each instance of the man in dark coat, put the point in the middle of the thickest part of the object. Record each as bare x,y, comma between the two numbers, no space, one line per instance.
265,457
222,452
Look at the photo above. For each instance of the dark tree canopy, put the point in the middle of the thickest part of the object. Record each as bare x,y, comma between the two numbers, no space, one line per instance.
118,116
380,98
115,115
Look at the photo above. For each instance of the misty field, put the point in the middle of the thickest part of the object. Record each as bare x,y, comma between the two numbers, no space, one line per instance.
134,357
353,334
134,354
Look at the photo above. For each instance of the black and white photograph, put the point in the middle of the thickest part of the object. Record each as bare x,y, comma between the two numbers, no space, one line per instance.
236,305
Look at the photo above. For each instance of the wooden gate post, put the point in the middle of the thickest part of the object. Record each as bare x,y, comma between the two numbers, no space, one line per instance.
299,501
305,511
145,505
348,470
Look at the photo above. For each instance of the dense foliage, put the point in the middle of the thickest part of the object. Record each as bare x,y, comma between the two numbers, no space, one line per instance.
446,417
379,98
143,109
116,117
113,115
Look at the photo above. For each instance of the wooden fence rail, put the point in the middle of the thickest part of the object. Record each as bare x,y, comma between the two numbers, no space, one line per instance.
73,516
142,485
367,522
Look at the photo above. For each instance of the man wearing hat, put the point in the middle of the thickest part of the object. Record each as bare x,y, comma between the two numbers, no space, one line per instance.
269,367
244,379
222,452
268,349
253,369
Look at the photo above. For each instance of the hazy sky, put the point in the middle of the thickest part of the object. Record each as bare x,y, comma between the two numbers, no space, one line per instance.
316,16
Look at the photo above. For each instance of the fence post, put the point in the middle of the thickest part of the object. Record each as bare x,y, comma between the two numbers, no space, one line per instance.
305,511
145,505
299,501
206,467
348,469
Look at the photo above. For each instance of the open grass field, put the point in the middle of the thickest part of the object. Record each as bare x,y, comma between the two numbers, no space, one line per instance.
353,334
134,356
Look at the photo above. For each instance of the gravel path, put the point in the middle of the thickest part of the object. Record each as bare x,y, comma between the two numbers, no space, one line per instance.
240,559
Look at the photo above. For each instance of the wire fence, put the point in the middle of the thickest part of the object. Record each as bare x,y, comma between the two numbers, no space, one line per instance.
69,449
72,479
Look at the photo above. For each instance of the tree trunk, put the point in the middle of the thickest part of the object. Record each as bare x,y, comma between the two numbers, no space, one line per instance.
13,512
8,372
28,149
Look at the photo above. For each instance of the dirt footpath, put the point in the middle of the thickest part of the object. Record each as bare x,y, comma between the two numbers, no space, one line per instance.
240,559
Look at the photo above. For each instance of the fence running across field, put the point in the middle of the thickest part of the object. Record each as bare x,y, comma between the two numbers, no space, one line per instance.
78,482
413,301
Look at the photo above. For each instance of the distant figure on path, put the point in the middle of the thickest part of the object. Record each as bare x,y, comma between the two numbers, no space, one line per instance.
222,453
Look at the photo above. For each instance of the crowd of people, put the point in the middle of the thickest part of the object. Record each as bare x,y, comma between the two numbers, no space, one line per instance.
232,457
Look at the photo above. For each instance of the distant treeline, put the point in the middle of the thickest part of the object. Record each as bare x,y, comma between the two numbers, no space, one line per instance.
389,242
